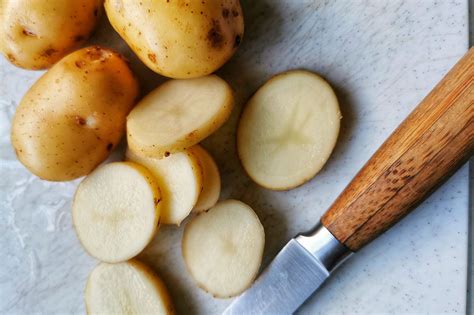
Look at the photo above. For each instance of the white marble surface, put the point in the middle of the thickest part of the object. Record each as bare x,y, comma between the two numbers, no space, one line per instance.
382,57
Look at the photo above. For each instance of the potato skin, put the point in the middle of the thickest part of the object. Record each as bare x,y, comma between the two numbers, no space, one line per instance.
179,38
35,34
73,116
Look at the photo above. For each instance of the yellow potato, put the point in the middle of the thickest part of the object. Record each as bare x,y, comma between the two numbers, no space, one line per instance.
179,39
74,115
178,114
36,34
126,288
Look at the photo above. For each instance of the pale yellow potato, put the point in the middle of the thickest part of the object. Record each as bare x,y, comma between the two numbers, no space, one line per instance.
36,34
223,248
178,114
74,115
126,288
116,211
211,180
179,39
179,177
288,130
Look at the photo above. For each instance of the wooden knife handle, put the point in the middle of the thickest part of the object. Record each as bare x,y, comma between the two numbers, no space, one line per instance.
434,141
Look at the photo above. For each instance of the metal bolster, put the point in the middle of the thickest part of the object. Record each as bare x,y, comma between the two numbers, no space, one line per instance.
324,246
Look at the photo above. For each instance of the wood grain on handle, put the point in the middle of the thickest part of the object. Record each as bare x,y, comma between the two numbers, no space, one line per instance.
434,141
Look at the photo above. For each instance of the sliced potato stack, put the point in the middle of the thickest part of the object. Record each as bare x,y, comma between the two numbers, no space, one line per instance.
126,288
116,211
288,130
178,114
223,248
179,177
211,180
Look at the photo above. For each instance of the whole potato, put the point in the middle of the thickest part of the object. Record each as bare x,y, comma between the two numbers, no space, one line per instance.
179,38
36,34
74,115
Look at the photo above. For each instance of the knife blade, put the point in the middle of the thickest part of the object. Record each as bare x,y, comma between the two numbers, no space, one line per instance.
429,146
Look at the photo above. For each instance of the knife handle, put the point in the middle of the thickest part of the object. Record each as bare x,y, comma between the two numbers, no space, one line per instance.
432,143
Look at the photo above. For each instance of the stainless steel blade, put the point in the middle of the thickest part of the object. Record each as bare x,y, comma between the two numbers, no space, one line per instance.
290,279
296,272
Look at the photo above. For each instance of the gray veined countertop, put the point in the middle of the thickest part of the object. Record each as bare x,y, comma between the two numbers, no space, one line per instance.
382,57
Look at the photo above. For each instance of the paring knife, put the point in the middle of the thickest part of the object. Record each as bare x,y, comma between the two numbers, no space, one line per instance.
433,142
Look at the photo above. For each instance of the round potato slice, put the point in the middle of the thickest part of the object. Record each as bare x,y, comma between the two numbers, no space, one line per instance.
179,177
126,288
223,248
211,180
116,210
288,130
178,114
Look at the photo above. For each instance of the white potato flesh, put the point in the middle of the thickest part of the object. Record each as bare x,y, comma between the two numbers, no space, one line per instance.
288,130
211,180
116,210
178,114
126,288
223,248
179,177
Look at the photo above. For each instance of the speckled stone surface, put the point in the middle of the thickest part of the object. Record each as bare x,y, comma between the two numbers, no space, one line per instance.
382,57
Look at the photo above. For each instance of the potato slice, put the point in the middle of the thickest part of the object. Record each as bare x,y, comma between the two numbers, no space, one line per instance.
179,177
223,248
126,288
211,180
288,130
178,114
116,210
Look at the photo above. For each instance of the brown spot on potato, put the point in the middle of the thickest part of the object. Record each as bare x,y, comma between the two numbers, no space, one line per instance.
80,64
49,52
109,146
237,41
11,58
225,13
29,33
97,53
235,13
79,120
215,35
152,57
157,201
96,11
167,154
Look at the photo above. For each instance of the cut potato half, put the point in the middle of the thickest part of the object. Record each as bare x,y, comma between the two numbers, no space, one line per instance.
126,288
179,177
223,248
288,130
178,114
211,180
116,210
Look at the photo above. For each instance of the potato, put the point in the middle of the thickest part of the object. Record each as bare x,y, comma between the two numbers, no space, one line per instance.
126,288
36,34
116,210
288,130
178,114
179,39
179,177
74,115
211,180
223,248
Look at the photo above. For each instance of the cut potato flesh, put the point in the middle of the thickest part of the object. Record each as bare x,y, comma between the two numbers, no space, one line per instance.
126,288
288,130
116,211
223,248
211,180
179,177
178,114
